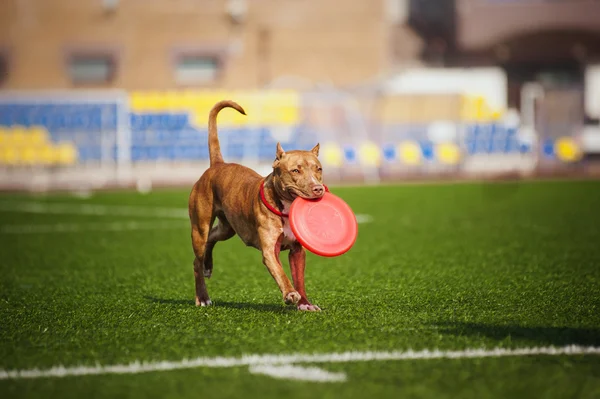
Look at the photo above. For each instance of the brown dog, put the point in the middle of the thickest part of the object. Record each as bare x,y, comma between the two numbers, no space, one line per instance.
232,194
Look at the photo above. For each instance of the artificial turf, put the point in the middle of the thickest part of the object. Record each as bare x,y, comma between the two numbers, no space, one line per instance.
439,267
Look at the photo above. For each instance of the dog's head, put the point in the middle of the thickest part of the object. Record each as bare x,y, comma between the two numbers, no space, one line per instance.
298,173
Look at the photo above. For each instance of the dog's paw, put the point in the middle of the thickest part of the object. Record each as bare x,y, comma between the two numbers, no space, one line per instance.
292,298
203,302
307,307
207,273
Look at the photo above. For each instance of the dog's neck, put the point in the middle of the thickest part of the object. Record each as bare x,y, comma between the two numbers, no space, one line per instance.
276,193
278,196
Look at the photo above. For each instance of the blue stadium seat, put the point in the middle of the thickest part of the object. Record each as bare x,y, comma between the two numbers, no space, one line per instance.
350,154
427,150
92,153
524,148
389,152
471,146
548,148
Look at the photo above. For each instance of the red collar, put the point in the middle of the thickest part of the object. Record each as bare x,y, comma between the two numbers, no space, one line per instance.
271,207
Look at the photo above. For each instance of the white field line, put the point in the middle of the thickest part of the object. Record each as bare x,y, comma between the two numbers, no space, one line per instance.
291,372
111,210
79,227
362,218
298,358
93,209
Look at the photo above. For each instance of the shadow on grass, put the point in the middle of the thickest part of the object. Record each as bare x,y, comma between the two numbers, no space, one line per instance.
263,307
556,336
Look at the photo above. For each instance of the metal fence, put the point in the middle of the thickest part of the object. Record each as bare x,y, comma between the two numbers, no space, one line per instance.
115,138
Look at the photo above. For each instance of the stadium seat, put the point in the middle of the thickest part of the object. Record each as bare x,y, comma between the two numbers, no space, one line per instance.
448,153
188,99
567,150
4,136
151,102
29,155
18,136
66,153
47,155
38,136
410,153
137,102
332,154
427,150
349,154
548,149
173,101
9,155
389,153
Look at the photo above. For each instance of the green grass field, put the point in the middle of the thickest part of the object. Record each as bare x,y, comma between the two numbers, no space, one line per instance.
449,267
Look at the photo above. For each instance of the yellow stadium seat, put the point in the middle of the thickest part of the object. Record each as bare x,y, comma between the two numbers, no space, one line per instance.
148,101
189,99
19,136
47,155
9,155
38,136
567,150
214,96
284,106
156,101
29,140
410,153
4,137
205,100
369,154
289,115
137,101
448,153
332,154
174,101
29,155
67,153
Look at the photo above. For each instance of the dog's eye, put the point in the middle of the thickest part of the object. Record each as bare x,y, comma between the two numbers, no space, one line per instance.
320,169
295,171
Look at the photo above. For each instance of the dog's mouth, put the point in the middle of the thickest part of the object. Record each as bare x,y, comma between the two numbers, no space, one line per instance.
295,193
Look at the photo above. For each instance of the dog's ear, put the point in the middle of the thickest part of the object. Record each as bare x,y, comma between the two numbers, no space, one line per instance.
278,155
315,150
279,152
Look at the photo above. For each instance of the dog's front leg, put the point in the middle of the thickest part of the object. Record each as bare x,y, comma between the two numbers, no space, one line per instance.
271,247
297,259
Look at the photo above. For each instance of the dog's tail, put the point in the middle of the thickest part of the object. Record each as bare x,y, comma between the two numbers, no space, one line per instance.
214,148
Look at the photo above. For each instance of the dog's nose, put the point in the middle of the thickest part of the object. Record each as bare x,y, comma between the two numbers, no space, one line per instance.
317,190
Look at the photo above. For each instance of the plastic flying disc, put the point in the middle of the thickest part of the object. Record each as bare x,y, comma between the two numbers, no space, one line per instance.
326,227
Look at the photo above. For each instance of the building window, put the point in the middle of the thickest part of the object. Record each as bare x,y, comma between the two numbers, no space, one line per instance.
197,69
91,68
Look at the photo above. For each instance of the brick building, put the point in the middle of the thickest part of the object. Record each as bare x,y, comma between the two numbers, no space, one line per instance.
158,44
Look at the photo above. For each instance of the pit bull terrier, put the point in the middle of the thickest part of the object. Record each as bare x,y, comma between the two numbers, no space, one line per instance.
255,208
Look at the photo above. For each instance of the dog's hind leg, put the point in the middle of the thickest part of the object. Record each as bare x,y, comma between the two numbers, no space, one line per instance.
221,232
199,237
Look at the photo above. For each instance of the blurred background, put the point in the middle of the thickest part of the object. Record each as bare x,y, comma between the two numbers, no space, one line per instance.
116,93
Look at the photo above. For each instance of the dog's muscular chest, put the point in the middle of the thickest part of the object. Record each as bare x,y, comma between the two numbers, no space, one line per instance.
288,234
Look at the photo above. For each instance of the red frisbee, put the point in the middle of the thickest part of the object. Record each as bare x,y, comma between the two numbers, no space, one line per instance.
326,227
